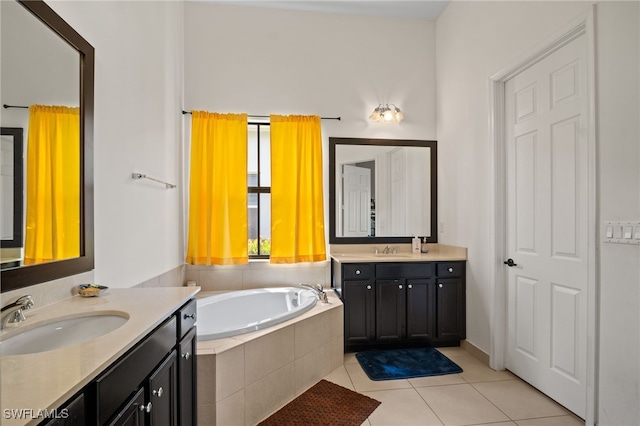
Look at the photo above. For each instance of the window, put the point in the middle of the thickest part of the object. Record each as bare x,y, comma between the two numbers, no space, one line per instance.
259,190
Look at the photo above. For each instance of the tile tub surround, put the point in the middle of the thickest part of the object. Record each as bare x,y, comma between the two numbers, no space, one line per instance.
46,380
257,274
243,379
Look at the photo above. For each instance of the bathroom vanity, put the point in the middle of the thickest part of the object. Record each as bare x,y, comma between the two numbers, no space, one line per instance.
402,299
142,373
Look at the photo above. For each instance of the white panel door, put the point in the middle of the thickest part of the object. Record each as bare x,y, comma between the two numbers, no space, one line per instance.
547,200
398,193
356,203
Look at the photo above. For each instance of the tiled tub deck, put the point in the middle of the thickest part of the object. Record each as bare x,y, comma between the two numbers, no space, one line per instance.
245,378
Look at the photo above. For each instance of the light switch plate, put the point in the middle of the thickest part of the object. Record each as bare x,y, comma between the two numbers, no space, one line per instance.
621,232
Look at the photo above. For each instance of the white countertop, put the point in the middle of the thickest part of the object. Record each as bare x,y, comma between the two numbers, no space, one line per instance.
46,380
354,253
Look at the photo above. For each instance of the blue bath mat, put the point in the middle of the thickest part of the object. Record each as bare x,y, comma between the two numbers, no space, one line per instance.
405,363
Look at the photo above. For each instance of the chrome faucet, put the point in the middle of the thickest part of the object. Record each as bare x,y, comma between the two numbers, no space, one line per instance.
322,296
13,312
386,249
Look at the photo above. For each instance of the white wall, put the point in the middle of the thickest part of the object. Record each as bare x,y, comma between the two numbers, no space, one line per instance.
267,61
474,40
138,127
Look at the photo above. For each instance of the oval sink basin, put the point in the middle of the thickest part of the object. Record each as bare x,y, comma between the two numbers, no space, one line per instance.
62,333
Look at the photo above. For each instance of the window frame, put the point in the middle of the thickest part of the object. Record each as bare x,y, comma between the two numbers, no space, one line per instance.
259,189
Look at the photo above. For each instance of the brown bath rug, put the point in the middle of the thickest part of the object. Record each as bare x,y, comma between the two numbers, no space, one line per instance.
325,403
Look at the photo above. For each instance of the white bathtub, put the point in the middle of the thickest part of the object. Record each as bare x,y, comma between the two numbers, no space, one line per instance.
238,312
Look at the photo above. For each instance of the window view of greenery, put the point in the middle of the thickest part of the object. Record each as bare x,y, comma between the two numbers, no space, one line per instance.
259,190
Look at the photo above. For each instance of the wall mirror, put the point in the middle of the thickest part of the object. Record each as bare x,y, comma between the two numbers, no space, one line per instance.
382,190
46,62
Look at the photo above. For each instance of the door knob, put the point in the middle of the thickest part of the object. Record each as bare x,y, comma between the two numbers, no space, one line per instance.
186,355
158,392
510,263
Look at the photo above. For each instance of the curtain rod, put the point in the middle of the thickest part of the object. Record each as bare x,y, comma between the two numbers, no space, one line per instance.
15,106
266,116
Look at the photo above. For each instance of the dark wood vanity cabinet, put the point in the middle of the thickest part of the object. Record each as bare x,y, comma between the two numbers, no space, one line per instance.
401,304
153,384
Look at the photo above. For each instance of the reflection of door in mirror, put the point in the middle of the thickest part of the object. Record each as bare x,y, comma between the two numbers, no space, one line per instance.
410,196
11,196
356,201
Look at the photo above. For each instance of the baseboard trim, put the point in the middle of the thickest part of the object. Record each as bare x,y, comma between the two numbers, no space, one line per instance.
475,351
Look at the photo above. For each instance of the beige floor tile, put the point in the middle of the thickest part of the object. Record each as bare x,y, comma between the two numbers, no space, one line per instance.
401,407
519,401
350,358
552,421
497,424
447,379
362,383
366,423
340,377
474,371
460,405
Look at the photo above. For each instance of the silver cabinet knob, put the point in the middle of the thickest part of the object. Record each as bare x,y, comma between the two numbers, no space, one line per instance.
400,286
186,355
158,392
357,271
440,285
368,287
450,270
146,408
192,316
409,286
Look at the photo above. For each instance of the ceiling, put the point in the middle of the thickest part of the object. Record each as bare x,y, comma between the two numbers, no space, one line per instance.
427,10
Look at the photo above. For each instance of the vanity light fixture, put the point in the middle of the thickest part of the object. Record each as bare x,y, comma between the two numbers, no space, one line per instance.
386,113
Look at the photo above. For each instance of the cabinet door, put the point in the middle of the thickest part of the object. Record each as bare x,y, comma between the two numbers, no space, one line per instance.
70,415
163,387
187,379
359,311
421,309
133,412
390,310
451,309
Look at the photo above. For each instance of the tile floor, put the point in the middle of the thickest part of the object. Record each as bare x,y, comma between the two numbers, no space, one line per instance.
477,396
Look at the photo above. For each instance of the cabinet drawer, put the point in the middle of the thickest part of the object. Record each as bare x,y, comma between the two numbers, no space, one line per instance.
357,271
186,318
450,269
404,270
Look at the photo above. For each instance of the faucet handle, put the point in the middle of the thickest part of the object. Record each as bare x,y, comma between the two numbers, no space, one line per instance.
26,302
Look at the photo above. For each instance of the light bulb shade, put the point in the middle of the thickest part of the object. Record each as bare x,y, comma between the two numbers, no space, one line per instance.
386,113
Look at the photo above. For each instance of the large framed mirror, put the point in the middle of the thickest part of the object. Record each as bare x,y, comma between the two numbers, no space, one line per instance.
382,190
45,62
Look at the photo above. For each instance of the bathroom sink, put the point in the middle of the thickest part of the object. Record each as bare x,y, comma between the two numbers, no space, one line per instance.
62,333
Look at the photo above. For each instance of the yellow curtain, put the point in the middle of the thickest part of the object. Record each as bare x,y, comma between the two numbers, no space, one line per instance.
53,182
218,218
297,205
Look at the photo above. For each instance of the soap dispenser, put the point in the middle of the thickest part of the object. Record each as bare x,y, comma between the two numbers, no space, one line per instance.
415,244
423,247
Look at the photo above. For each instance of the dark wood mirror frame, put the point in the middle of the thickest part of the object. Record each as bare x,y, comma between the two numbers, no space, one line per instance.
12,279
16,133
333,142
